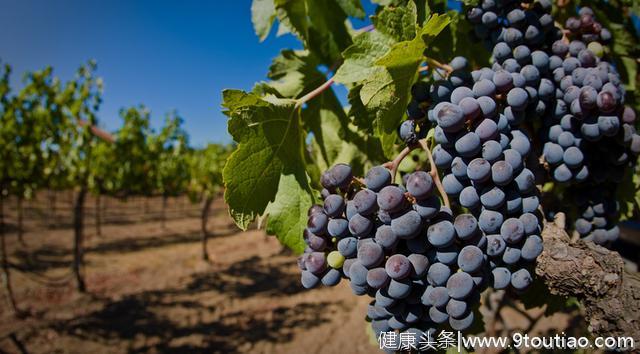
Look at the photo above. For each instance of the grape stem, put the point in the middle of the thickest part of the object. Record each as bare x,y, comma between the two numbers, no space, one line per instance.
318,90
434,173
395,163
565,32
436,64
393,166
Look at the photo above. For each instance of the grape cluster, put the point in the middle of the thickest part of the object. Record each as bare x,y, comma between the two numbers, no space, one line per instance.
605,142
587,29
590,114
424,263
588,133
482,153
515,26
598,211
399,244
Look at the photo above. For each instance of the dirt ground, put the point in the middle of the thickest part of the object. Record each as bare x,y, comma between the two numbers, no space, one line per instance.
149,291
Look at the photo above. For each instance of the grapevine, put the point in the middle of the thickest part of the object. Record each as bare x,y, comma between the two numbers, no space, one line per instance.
50,140
495,143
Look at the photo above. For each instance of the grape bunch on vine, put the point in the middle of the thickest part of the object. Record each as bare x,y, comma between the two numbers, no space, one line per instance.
466,132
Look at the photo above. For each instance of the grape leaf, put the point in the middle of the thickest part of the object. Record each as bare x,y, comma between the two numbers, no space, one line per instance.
628,194
287,214
358,112
387,90
294,72
433,27
379,95
382,69
398,23
360,57
630,73
262,16
320,24
267,130
326,119
292,14
352,8
454,41
392,24
388,2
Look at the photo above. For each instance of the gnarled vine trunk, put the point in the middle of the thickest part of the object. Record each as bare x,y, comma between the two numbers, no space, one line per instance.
78,252
204,218
597,277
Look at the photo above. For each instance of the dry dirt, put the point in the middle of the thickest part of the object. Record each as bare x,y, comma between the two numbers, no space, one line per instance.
150,292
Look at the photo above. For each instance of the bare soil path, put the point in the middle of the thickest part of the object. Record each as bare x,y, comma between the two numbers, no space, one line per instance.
150,292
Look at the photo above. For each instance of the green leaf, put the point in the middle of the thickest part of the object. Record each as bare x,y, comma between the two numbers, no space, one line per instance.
267,130
387,2
287,214
624,42
398,23
387,91
362,118
320,24
360,57
327,121
383,72
294,73
352,8
471,2
631,72
263,13
454,41
435,25
628,193
379,94
293,14
392,24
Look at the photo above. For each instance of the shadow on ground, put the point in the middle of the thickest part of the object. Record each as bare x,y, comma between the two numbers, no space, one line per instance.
52,257
178,321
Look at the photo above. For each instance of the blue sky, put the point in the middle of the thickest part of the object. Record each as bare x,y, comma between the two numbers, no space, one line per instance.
167,55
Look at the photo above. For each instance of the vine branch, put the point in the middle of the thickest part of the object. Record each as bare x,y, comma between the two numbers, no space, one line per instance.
596,276
318,90
98,132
